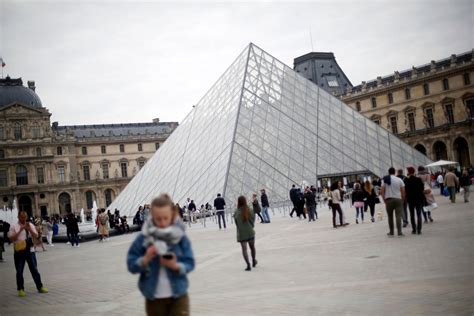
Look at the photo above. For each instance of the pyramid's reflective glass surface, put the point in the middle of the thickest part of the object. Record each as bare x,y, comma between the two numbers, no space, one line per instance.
263,126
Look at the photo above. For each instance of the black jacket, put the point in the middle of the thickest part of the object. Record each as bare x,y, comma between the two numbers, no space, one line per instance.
293,194
414,190
264,199
256,207
219,203
370,197
465,181
310,198
357,196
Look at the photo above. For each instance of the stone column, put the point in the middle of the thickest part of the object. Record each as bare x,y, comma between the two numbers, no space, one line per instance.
37,211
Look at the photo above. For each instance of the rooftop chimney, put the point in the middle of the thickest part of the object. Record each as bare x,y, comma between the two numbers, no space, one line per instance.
156,120
31,85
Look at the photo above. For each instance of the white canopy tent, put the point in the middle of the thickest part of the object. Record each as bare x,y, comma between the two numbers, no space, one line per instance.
440,163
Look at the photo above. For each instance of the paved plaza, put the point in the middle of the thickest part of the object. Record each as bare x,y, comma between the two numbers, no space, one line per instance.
304,269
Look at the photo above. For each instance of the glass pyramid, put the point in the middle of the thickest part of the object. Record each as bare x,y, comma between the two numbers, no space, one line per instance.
261,125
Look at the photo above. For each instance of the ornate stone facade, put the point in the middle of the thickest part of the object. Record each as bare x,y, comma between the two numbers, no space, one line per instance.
52,169
431,107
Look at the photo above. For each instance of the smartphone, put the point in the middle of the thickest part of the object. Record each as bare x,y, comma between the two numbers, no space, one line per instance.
167,256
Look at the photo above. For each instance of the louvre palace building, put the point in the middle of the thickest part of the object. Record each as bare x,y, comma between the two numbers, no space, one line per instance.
52,169
431,106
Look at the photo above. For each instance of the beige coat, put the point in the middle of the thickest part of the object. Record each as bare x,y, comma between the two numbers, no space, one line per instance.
450,180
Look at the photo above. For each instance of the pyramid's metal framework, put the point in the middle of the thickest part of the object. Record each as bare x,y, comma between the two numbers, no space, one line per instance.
262,125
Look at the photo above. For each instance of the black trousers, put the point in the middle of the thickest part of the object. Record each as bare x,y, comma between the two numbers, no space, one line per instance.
416,208
336,208
372,208
294,209
20,258
260,215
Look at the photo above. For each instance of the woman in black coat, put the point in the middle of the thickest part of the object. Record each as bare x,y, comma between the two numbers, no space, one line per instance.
369,199
73,228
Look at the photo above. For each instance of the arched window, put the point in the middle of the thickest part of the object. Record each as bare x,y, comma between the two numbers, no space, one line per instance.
21,175
17,131
421,149
439,150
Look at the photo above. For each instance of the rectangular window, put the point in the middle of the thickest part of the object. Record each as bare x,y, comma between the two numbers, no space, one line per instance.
3,178
374,102
467,78
390,98
393,124
411,121
103,149
123,167
157,146
2,133
426,89
141,163
17,132
358,106
84,150
105,170
122,148
140,147
429,118
470,107
59,151
449,113
407,94
86,172
40,175
61,174
445,84
35,132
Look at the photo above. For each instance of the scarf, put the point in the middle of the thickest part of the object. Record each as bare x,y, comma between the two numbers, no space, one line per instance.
162,238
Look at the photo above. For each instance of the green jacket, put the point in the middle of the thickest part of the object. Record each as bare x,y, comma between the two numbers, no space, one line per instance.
245,230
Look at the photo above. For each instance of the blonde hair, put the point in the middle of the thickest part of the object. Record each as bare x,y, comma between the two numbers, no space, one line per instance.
368,186
164,200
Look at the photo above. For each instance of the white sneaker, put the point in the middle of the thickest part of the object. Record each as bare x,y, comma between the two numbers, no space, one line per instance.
77,246
68,243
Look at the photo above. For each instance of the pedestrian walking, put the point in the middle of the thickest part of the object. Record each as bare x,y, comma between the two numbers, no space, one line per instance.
21,234
219,204
103,220
265,206
73,229
370,198
48,229
393,194
429,202
256,207
39,229
415,198
3,235
244,218
310,199
163,257
405,205
293,198
358,202
451,181
440,181
465,183
334,204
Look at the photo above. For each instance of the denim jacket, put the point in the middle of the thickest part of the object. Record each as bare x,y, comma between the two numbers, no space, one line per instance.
149,275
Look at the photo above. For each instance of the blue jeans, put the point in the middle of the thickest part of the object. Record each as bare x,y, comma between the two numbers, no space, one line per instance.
265,215
312,213
221,214
361,211
74,239
20,258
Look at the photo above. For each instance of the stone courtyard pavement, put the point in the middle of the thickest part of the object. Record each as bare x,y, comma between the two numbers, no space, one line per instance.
304,269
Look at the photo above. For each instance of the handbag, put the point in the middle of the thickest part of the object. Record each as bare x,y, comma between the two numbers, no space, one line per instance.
377,200
22,245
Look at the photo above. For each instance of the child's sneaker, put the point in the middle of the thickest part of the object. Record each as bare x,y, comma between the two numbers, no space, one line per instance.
21,293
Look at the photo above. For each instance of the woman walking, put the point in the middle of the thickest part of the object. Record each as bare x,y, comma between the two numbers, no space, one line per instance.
48,228
465,183
103,220
256,207
358,202
335,204
73,229
245,220
369,199
39,228
429,198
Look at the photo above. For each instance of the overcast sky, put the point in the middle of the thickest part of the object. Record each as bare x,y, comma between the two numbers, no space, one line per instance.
103,62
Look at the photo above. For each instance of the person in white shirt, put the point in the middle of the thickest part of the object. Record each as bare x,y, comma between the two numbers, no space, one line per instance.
393,194
21,235
440,181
